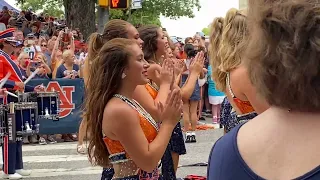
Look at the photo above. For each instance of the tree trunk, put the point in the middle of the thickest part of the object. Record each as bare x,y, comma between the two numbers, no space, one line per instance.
81,14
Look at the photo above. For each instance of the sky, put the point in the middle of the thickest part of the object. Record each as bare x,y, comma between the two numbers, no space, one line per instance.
210,9
184,27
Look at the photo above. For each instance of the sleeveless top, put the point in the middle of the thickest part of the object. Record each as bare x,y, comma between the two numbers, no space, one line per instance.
226,163
244,106
153,89
118,155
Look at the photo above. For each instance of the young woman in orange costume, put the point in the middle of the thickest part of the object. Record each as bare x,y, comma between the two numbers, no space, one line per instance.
121,129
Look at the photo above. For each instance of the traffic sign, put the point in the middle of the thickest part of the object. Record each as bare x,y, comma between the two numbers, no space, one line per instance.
136,4
119,4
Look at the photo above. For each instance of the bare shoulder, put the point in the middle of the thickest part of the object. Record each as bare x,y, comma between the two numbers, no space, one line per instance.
118,112
239,80
254,137
140,88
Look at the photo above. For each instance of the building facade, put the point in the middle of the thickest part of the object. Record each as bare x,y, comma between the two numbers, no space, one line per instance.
243,4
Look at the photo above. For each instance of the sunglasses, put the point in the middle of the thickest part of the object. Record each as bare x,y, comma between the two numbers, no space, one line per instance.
43,45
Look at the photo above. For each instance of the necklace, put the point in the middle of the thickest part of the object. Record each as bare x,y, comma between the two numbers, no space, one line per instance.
135,105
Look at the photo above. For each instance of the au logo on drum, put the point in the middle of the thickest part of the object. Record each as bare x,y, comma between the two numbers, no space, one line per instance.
65,96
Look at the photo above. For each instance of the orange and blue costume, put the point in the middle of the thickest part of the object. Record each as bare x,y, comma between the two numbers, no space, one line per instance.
11,151
176,143
119,155
245,107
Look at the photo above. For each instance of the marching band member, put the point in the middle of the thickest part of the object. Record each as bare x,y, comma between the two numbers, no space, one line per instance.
12,151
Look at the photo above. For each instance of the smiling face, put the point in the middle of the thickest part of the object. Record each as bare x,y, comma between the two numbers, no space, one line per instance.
161,42
134,34
136,70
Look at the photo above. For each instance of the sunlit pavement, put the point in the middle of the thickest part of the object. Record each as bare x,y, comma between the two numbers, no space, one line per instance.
62,162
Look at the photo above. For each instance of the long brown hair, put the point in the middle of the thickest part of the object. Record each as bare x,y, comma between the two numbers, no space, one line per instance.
216,30
104,82
149,35
115,28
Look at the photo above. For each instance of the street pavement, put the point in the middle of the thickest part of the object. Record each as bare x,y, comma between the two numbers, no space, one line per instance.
61,161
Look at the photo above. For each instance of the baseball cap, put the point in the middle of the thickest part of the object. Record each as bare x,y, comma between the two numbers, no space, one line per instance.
7,33
13,41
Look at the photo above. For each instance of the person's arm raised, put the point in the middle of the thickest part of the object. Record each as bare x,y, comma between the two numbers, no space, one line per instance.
144,154
166,80
195,69
142,95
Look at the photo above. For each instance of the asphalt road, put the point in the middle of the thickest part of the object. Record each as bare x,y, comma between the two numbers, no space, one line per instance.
61,161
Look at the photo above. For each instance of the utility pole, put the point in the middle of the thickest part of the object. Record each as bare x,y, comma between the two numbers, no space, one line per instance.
103,17
103,14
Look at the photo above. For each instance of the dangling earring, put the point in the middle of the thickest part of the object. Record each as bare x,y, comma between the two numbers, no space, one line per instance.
123,75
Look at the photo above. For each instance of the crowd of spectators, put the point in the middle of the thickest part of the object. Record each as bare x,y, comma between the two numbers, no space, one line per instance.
47,44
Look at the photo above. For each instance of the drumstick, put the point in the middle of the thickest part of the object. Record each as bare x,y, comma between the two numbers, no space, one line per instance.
5,79
11,94
31,76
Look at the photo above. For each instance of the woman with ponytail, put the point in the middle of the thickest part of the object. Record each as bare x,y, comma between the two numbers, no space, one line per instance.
122,131
113,29
231,76
216,98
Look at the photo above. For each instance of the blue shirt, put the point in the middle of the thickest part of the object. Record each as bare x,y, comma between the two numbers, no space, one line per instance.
226,163
212,91
63,72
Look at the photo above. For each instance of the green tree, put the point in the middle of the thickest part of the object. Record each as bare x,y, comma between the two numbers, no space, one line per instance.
81,13
206,31
52,7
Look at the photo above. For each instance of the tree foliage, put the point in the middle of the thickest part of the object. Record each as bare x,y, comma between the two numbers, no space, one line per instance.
169,8
136,17
206,31
52,7
149,14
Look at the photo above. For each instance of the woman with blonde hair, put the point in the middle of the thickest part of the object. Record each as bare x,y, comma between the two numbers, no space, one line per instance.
231,77
283,64
217,99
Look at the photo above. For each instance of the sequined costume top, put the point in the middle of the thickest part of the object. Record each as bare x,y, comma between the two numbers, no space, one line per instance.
124,166
153,89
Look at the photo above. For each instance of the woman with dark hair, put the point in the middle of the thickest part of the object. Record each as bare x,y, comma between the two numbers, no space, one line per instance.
136,148
282,59
155,47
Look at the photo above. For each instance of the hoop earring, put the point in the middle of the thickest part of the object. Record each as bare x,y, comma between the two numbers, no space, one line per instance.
123,75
